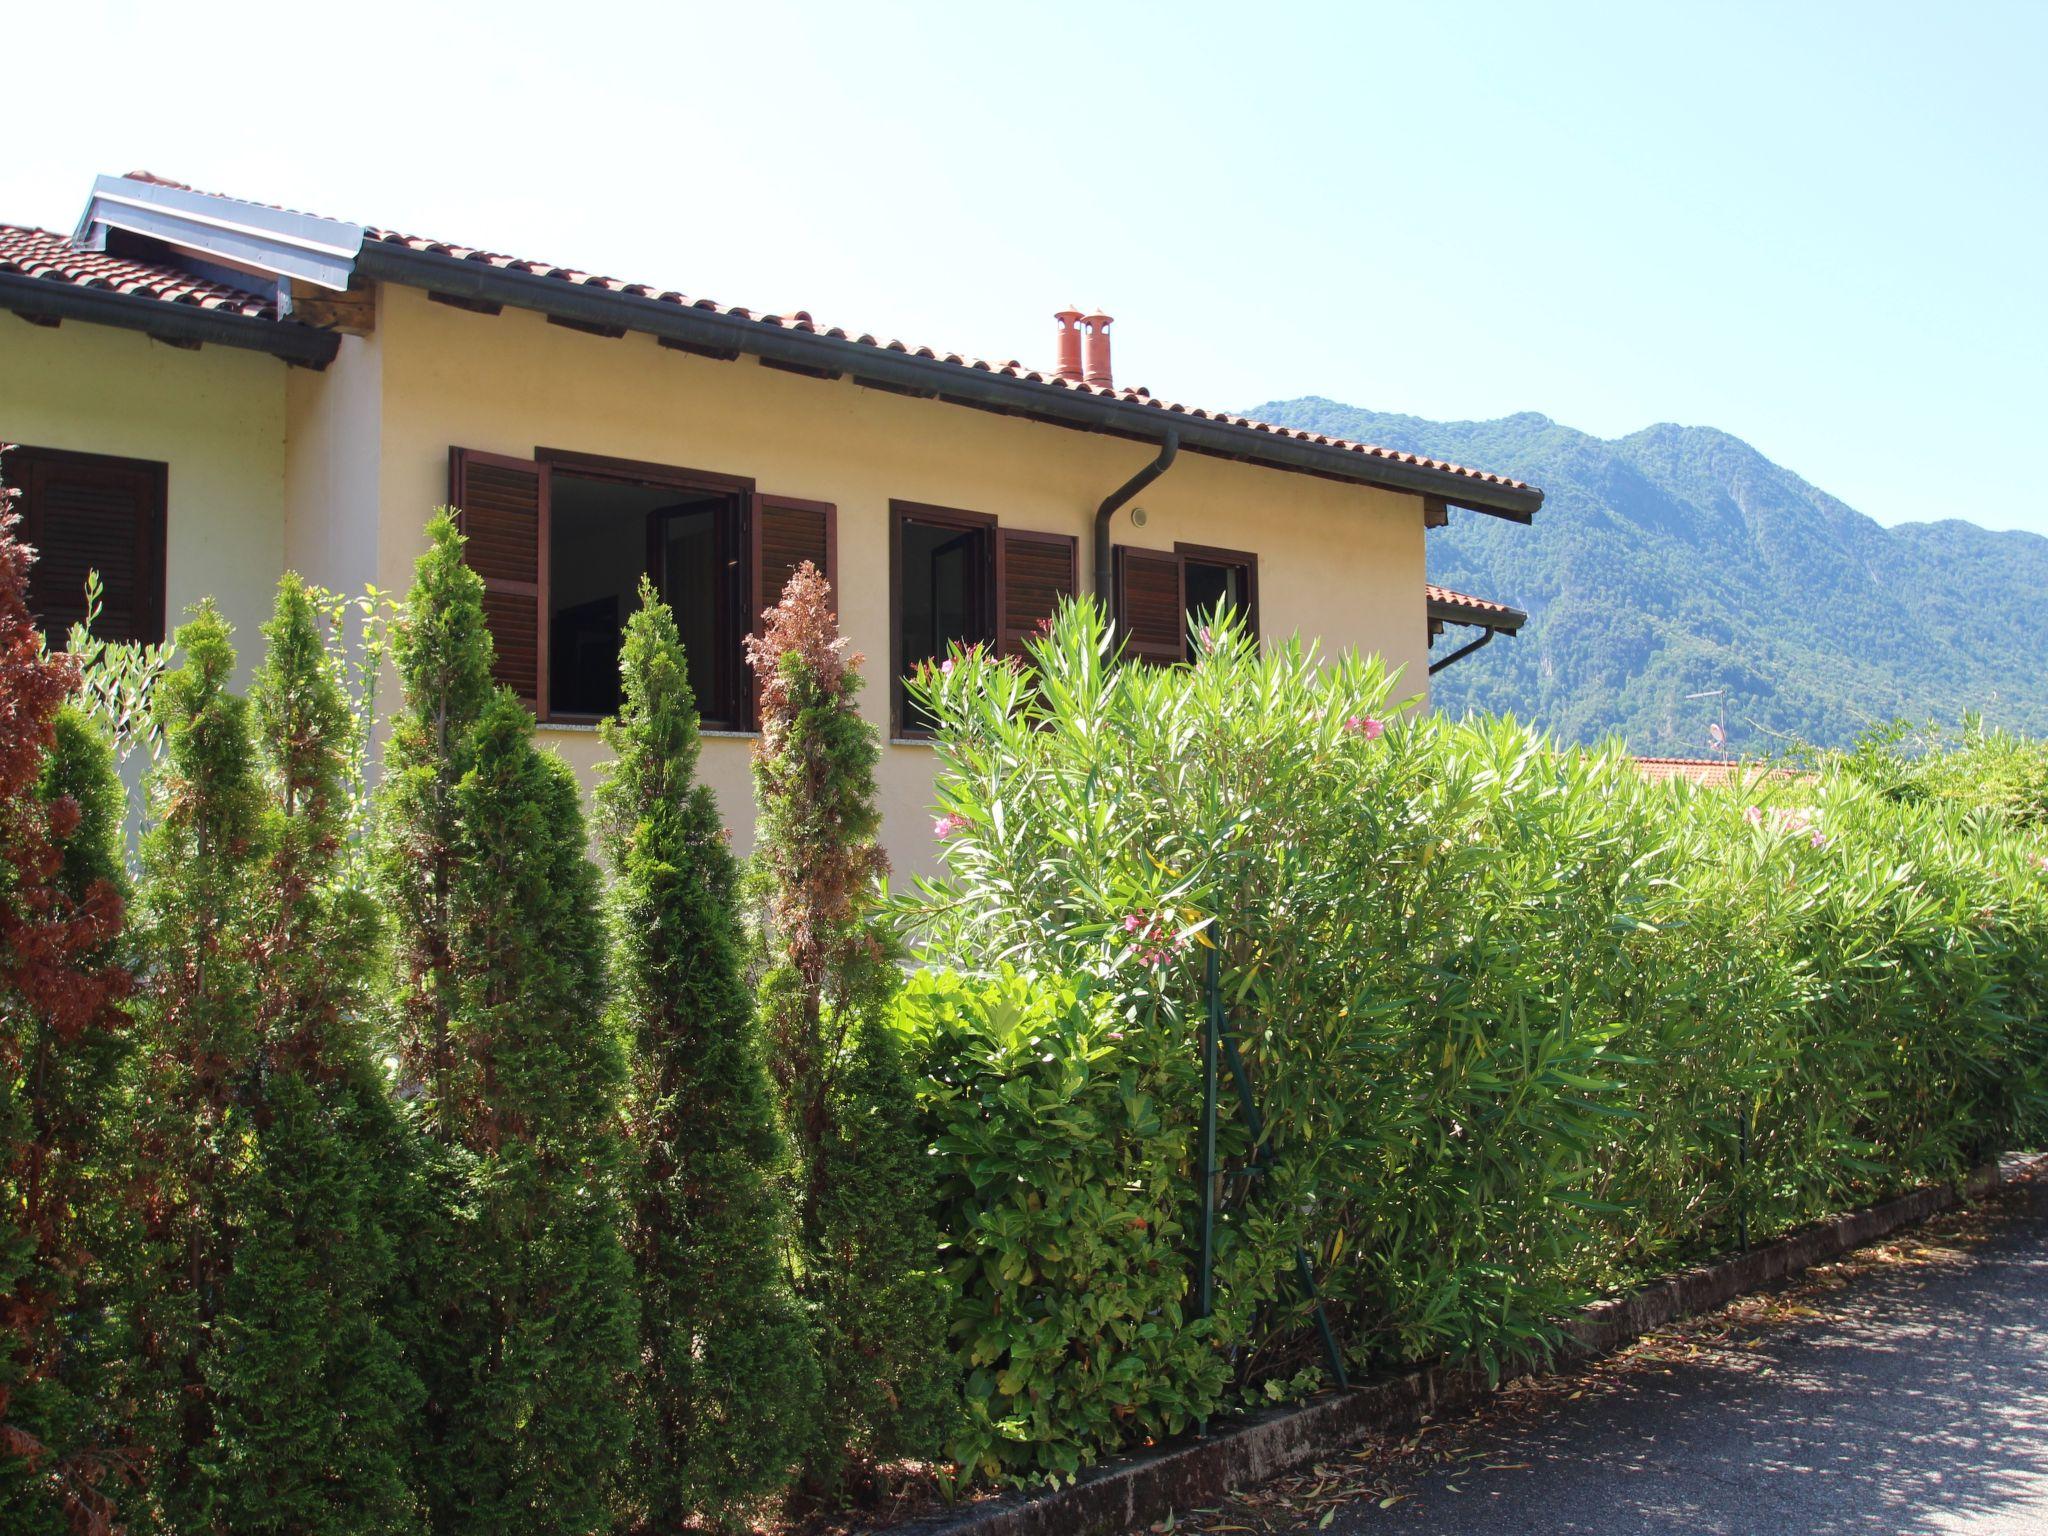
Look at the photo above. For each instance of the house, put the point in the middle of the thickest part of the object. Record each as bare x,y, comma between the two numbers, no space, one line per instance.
208,391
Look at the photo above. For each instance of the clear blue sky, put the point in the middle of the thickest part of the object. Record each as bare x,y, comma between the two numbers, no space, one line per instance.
1818,226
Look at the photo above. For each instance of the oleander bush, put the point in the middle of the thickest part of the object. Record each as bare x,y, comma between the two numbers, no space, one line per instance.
1522,1025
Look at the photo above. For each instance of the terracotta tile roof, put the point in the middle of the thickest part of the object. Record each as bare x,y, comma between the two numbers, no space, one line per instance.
1716,772
39,253
1701,770
1463,608
801,320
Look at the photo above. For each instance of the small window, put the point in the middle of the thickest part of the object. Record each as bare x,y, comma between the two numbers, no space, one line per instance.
90,512
1160,595
944,579
1213,578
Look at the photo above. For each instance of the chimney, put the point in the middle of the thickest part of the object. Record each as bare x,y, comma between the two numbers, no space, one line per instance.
1070,345
1098,350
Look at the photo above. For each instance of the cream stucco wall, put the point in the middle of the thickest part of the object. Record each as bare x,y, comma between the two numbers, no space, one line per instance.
1340,562
215,416
333,473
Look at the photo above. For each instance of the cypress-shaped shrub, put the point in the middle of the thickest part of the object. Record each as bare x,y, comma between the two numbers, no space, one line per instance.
523,1277
315,1402
728,1385
197,1038
868,1242
62,1040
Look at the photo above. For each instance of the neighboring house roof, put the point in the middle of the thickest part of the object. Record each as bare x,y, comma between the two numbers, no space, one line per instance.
1715,771
1448,607
300,243
44,277
1701,770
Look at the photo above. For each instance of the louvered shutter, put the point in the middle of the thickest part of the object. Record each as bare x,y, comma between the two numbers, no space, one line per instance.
1151,610
1035,572
787,532
86,513
503,512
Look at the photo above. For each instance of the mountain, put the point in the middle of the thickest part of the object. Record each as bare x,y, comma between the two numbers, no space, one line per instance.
1679,560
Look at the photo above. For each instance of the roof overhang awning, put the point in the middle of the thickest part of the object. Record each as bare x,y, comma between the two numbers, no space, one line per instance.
1487,616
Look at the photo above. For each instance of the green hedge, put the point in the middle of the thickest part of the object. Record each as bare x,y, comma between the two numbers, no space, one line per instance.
1524,1026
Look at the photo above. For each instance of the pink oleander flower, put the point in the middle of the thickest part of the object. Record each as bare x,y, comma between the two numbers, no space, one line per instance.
1366,726
946,667
1754,815
2041,862
949,825
1820,838
1133,922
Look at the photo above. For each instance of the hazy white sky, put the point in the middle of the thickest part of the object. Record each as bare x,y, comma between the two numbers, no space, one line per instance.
1818,226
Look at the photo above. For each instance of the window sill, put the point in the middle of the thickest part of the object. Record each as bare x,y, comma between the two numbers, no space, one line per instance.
589,728
913,741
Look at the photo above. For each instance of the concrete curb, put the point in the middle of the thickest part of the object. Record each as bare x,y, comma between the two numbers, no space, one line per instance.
1191,1472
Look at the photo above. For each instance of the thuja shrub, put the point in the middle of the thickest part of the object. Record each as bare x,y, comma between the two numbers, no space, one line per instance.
726,1395
1065,1138
867,1261
197,1038
62,1041
315,1402
1521,1025
523,1283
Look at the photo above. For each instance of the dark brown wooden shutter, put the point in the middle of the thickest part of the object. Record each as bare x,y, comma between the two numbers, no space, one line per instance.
86,512
1035,572
502,504
1151,612
787,532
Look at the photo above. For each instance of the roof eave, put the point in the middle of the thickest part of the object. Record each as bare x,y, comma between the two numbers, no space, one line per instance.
808,351
1508,621
42,299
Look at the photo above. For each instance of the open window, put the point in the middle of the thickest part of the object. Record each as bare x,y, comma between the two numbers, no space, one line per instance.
563,539
943,569
959,580
92,512
1160,593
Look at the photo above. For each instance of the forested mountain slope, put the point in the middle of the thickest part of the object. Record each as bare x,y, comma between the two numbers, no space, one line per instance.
1679,560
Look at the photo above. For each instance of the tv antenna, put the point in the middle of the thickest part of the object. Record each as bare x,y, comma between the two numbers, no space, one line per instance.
1717,729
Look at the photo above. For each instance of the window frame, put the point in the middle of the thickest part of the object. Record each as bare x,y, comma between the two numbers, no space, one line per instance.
987,596
743,541
153,526
1212,554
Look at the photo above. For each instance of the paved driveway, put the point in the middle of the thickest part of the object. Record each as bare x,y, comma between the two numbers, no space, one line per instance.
1917,1401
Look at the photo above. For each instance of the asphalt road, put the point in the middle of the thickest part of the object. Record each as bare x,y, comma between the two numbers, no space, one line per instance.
1917,1403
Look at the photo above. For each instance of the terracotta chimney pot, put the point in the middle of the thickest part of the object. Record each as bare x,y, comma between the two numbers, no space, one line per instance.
1098,373
1070,345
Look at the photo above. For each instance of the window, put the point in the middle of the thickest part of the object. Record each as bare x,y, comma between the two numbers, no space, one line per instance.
959,580
945,578
563,539
1160,594
88,512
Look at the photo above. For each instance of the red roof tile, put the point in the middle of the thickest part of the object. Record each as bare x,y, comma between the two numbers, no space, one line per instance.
1715,771
1466,600
1463,608
41,254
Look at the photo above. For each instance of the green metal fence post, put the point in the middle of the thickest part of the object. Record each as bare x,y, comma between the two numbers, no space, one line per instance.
1742,1174
1212,1022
